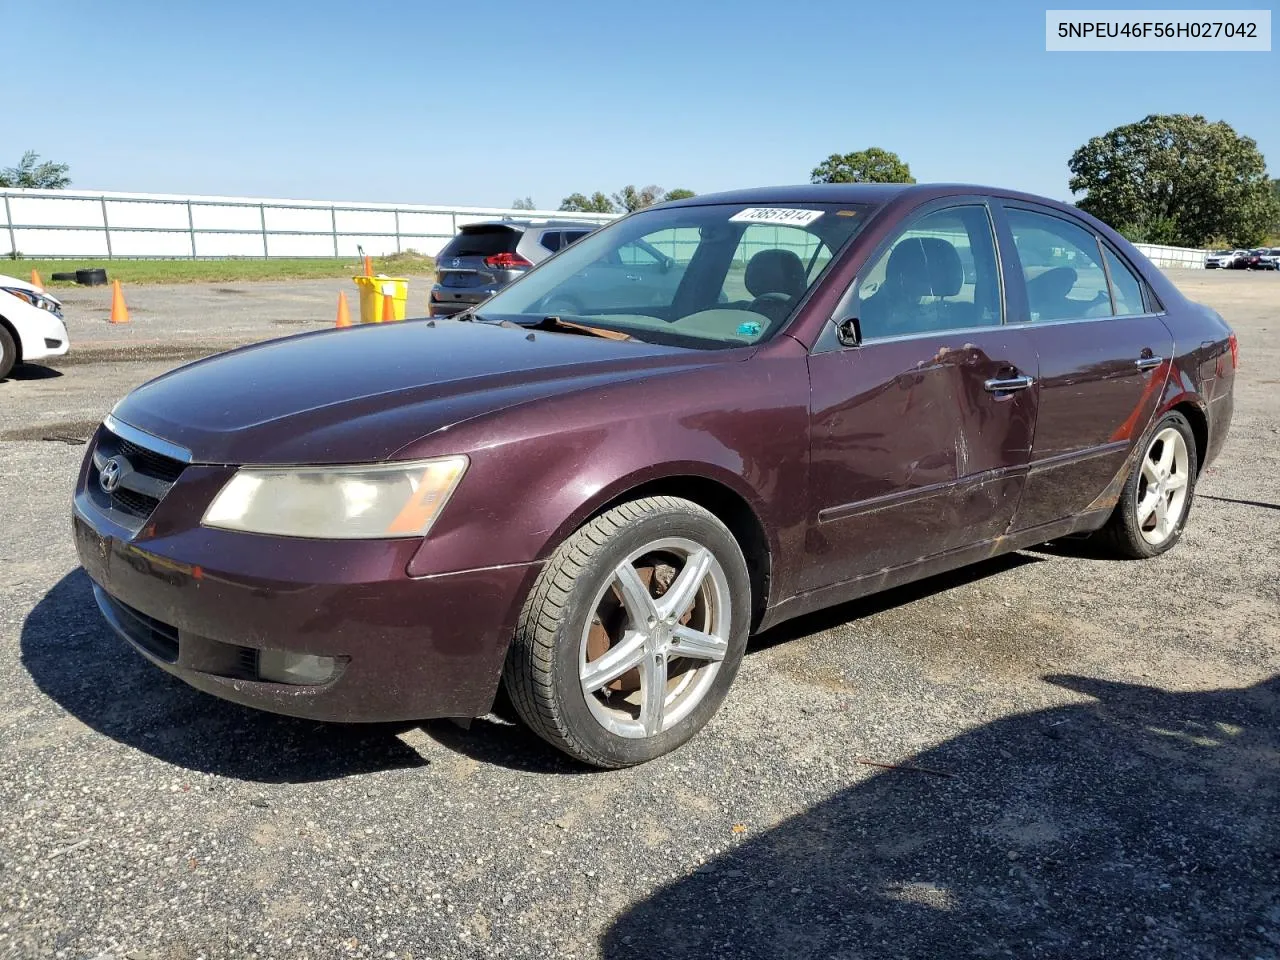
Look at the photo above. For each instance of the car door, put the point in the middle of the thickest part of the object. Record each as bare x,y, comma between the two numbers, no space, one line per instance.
1104,355
922,418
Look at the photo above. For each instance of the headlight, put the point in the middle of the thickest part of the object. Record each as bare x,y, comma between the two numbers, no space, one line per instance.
37,300
370,502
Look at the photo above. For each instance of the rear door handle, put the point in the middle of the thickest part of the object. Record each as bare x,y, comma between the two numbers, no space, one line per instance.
1149,363
1008,384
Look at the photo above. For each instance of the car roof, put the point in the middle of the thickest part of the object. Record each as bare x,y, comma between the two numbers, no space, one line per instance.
875,194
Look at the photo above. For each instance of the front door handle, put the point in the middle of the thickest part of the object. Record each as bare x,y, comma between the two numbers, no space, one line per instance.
1008,384
1149,363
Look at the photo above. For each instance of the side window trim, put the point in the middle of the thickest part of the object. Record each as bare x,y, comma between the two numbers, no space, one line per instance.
828,339
1106,272
1150,303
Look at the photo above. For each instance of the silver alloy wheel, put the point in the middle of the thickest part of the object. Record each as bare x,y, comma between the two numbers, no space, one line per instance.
659,630
1162,486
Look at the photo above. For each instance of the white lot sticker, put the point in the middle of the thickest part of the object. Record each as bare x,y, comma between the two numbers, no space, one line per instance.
796,218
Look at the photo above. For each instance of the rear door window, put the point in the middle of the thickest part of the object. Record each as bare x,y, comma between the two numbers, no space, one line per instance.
1126,289
573,236
1061,265
482,241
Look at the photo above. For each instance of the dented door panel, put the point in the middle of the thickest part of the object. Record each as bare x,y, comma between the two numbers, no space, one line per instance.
912,454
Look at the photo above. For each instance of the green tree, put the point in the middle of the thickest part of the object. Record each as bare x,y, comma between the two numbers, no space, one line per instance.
1176,179
525,204
629,199
679,193
872,165
36,176
596,203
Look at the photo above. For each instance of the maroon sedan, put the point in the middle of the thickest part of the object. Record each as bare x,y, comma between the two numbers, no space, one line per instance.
701,420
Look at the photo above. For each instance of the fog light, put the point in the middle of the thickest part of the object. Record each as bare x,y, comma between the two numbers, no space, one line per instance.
281,666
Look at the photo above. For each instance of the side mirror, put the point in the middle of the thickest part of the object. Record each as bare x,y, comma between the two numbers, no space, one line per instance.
849,332
667,264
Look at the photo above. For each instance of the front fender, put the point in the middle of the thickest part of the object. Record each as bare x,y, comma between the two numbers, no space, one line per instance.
539,471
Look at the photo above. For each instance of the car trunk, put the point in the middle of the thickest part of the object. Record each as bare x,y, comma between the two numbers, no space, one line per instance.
462,263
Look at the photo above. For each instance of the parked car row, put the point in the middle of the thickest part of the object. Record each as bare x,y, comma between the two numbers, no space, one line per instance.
1262,258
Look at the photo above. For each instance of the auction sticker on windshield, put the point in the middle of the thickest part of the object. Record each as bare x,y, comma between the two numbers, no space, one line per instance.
795,218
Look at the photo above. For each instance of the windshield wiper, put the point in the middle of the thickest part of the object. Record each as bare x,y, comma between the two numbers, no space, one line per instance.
569,326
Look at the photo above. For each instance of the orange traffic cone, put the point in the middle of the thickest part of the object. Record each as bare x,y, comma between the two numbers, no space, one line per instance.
119,312
344,314
388,308
368,266
36,281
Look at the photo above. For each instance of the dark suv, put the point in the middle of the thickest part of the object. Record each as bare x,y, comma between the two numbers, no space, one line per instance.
484,257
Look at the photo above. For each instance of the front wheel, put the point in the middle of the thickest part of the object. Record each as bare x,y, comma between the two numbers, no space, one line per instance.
1156,499
632,634
8,353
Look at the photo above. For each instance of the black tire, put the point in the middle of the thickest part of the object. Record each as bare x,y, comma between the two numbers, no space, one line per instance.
542,671
93,277
8,352
1123,534
64,276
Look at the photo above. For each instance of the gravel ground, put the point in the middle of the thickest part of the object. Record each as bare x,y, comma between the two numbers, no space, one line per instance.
1095,749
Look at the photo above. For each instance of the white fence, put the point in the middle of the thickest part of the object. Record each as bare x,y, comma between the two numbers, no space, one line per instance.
69,223
1186,257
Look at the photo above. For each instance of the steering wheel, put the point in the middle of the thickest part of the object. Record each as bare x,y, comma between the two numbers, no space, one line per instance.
772,305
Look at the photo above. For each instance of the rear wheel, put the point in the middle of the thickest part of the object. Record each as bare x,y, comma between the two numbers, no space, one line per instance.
632,633
8,352
1156,499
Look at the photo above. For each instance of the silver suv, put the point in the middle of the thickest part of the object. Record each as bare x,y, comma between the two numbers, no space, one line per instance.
484,257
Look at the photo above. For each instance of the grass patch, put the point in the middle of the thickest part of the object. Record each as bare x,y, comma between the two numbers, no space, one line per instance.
230,270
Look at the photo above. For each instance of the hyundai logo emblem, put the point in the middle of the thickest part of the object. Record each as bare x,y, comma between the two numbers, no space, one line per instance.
109,476
456,262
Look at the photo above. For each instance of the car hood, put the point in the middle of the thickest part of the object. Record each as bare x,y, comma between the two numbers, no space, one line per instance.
360,394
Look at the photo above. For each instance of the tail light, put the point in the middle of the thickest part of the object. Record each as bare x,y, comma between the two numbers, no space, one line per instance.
1235,351
507,261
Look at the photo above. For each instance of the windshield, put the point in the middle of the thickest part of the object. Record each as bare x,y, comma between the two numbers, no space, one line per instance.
713,276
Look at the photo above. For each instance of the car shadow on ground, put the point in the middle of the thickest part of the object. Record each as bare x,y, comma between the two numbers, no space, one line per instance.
83,667
31,371
1140,823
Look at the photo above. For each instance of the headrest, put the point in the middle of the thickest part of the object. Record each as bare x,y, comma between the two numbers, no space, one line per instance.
925,267
775,271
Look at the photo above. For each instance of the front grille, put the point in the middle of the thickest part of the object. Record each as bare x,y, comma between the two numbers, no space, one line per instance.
150,462
140,479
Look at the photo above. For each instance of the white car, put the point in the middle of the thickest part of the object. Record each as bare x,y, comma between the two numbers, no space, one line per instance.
1222,259
31,326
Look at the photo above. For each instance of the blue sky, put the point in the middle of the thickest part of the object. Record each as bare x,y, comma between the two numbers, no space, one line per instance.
478,103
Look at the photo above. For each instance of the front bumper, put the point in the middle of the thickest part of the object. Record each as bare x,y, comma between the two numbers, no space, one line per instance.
202,603
43,334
